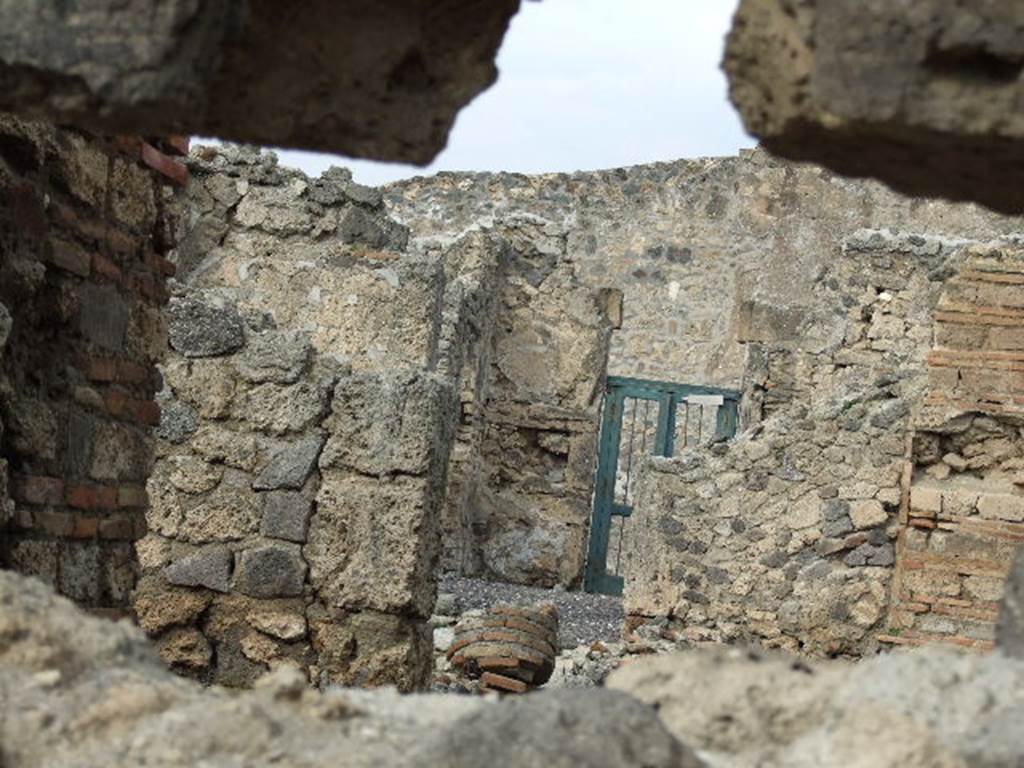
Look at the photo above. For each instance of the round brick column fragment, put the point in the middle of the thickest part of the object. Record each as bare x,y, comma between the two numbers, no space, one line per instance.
511,648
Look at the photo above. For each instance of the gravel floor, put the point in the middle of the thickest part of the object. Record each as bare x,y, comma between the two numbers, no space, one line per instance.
582,618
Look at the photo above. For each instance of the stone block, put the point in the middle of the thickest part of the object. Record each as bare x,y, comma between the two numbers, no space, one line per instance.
279,357
374,649
373,543
286,515
1001,506
159,605
120,452
270,570
386,423
285,625
79,575
867,514
291,466
178,421
279,409
209,567
204,326
925,499
229,513
185,649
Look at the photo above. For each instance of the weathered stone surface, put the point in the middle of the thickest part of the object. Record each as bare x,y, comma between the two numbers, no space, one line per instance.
923,708
104,316
184,649
270,570
280,357
123,708
158,605
291,466
286,515
209,567
1010,630
561,728
395,79
204,326
922,96
280,410
286,626
381,424
373,545
178,421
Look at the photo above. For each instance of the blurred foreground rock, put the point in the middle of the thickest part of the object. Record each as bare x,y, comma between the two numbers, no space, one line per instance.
81,691
927,708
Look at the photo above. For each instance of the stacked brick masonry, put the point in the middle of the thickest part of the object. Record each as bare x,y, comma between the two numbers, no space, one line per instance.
964,513
83,242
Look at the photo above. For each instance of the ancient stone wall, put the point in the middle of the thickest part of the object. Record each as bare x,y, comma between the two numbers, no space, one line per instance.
709,253
84,232
519,503
786,535
964,513
308,412
889,508
730,271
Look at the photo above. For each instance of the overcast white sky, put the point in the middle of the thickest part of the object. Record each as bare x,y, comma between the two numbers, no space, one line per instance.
588,84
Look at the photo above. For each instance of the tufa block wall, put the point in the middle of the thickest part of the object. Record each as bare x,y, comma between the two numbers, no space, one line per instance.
308,413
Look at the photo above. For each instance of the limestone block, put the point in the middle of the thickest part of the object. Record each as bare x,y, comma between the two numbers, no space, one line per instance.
284,625
291,466
190,474
208,385
236,449
209,567
281,409
286,515
204,326
925,499
229,513
372,649
270,570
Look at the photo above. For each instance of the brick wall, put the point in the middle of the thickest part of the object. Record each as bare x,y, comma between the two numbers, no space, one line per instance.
83,238
964,513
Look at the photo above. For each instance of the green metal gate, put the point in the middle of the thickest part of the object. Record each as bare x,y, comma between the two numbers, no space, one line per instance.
644,417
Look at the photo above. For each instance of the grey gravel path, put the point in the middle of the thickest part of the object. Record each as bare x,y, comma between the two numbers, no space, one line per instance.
582,618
